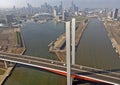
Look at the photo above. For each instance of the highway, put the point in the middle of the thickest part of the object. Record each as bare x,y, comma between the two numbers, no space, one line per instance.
91,74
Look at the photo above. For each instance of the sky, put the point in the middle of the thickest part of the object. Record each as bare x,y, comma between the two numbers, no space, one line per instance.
67,3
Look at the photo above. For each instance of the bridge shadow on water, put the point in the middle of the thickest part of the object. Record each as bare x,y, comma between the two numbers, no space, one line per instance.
108,71
114,70
75,81
100,72
36,68
83,82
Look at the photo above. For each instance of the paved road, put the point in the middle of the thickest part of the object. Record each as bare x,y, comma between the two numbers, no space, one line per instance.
56,65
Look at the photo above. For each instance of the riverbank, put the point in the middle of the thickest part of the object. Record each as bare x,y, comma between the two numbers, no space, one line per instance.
59,46
80,31
23,44
20,49
6,74
112,28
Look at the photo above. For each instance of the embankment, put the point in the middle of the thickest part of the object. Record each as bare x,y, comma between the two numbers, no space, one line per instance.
79,32
113,37
59,46
21,45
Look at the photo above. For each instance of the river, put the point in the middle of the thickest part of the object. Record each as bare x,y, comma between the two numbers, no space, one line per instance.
37,36
94,50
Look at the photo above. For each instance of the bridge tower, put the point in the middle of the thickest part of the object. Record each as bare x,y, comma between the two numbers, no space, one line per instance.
70,29
5,63
73,40
68,54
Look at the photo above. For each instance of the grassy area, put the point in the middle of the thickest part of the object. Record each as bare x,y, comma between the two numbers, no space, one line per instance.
2,72
19,39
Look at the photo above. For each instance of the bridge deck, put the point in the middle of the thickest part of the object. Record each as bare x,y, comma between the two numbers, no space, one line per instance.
77,70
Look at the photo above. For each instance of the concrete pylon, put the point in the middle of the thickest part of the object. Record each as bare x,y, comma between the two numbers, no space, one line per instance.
73,40
5,63
68,53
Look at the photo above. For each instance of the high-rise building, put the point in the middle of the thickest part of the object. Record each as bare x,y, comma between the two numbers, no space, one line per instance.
29,9
86,10
116,14
73,7
57,9
63,15
54,13
46,8
10,19
61,8
14,8
111,15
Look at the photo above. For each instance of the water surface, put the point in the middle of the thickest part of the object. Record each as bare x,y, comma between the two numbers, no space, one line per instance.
95,48
37,37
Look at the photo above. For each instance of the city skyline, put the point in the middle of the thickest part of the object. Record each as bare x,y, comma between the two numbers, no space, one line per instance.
79,3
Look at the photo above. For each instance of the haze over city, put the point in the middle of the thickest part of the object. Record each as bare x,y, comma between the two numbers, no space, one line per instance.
80,3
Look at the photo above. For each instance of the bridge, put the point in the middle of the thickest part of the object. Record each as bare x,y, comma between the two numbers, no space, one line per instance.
78,71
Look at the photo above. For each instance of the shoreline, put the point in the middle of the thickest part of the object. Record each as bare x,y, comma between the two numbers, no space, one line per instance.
80,34
58,47
7,73
9,70
115,44
23,43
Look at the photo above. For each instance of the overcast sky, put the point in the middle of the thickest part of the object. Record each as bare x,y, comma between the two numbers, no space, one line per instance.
80,3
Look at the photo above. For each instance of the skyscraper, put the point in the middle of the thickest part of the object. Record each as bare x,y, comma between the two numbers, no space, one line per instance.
72,6
63,15
10,19
61,8
54,12
116,14
111,15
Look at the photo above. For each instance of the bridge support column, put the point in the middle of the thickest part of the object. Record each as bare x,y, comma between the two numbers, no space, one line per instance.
68,54
5,63
72,79
73,40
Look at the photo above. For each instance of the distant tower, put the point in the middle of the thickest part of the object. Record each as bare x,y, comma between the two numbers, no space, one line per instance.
10,19
63,15
116,14
111,15
28,5
72,3
14,8
29,8
72,6
54,12
61,8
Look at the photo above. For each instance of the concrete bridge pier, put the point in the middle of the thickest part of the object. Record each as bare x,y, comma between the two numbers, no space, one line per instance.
68,55
73,40
5,64
72,80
